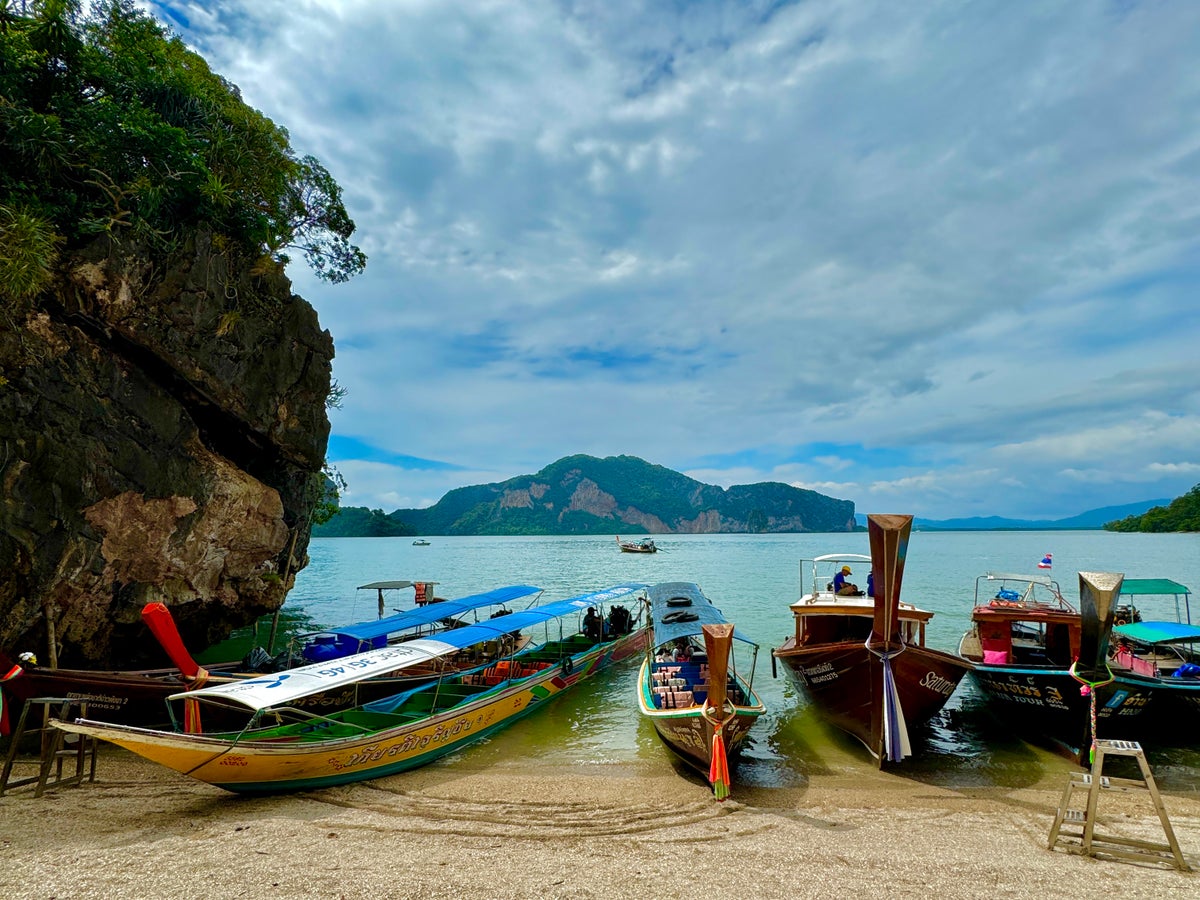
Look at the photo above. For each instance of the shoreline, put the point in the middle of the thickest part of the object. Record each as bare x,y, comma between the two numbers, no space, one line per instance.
462,829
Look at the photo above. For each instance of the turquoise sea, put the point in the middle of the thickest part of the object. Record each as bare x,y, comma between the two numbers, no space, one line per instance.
752,578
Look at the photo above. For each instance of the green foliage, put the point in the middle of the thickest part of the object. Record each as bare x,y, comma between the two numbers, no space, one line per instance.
330,483
109,125
358,521
1182,514
28,251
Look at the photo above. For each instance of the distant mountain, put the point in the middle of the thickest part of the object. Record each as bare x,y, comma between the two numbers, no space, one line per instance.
619,494
1093,518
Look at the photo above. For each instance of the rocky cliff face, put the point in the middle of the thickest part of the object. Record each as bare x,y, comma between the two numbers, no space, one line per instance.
162,432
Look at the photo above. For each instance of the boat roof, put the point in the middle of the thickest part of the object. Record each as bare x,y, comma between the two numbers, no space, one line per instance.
1140,586
841,557
433,612
280,688
701,607
1158,632
390,585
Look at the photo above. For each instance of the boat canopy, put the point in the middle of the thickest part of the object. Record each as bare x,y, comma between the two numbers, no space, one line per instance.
1140,586
666,603
1159,632
280,688
432,612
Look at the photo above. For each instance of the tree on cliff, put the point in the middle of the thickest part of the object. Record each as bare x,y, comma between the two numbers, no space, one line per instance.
1182,514
109,125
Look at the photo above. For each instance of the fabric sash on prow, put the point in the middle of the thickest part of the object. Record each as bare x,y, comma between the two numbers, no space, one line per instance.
889,547
1098,592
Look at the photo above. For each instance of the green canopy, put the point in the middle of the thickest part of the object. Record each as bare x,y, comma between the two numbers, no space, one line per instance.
1152,586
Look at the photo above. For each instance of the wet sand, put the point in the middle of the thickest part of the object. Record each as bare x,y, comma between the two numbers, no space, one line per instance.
457,830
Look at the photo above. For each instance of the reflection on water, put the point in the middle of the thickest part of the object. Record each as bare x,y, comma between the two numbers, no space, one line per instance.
752,578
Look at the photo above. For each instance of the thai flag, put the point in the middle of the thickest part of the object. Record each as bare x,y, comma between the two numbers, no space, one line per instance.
1045,563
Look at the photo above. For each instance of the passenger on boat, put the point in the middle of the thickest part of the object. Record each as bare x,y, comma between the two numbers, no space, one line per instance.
842,587
683,650
593,628
871,583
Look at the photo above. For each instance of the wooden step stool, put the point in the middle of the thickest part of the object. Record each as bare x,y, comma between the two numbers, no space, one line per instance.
1087,841
52,753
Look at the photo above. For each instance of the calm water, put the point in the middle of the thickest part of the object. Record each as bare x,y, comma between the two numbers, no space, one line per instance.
752,578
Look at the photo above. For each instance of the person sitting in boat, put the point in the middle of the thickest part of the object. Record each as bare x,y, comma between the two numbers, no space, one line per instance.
871,583
844,588
592,626
683,650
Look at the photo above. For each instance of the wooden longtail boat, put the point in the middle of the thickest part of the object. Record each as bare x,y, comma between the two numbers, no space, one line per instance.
284,749
1024,639
692,693
863,660
138,697
1161,655
645,545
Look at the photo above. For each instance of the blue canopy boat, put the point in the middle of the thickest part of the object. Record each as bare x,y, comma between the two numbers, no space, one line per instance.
284,748
690,687
1159,656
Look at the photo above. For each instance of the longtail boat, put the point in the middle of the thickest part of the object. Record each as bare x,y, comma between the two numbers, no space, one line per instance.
1159,654
863,660
138,696
689,686
645,545
283,748
1031,651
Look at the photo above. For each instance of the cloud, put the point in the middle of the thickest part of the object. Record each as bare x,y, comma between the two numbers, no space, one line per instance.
939,256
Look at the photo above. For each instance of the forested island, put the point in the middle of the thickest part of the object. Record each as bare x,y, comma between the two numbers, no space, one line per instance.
585,495
1181,514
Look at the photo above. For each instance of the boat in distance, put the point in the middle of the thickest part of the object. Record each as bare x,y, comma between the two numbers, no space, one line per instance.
863,660
689,686
645,545
285,749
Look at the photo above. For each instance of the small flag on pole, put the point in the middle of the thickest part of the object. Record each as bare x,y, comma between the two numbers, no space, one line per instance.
1045,563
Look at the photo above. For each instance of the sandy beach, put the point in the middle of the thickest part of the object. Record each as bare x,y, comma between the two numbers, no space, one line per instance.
455,830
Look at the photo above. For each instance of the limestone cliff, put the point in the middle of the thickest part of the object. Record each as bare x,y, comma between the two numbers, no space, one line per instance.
585,495
162,432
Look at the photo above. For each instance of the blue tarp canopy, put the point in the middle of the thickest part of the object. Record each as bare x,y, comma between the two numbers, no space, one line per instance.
493,628
701,608
1159,632
433,612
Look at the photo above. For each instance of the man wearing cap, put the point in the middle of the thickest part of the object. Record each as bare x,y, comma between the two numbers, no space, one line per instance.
841,586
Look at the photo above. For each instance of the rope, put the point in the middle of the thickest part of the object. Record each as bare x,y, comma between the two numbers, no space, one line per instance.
1088,689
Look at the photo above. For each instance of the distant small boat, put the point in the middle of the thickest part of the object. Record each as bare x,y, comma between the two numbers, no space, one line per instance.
645,545
420,542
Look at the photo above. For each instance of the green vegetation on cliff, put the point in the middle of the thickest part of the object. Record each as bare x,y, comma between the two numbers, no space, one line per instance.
585,495
108,125
1181,514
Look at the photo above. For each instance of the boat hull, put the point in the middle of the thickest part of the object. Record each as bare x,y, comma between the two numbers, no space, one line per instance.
264,766
688,734
1048,702
845,681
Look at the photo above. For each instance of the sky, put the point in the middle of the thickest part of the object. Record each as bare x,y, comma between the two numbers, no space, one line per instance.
937,258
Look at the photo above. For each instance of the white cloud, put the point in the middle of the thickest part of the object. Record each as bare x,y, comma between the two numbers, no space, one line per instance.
942,257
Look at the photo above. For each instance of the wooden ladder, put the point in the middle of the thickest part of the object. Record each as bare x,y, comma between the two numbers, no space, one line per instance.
52,753
1086,840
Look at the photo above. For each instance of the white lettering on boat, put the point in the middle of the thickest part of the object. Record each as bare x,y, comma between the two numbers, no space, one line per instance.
936,682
